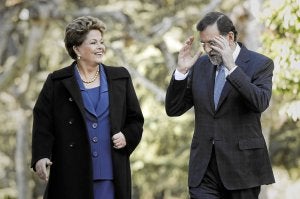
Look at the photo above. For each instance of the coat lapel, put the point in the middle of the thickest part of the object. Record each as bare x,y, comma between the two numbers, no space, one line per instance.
71,85
115,95
113,112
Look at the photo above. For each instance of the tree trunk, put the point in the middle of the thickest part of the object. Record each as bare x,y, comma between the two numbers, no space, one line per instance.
22,175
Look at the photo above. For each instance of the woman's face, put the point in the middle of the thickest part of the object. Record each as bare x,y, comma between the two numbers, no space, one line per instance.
92,50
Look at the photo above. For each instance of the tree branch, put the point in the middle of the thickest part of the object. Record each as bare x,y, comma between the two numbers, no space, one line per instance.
156,90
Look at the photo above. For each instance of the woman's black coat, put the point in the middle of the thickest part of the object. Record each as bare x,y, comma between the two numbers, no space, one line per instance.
60,133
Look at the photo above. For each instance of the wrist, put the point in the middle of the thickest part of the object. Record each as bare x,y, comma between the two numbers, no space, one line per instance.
230,66
182,70
232,69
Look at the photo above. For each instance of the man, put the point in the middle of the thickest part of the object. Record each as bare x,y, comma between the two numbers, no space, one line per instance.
229,88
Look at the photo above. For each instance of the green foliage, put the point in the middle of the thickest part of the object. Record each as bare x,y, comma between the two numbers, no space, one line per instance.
159,165
285,151
281,42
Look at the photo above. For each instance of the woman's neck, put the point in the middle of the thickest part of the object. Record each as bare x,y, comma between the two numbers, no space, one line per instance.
90,75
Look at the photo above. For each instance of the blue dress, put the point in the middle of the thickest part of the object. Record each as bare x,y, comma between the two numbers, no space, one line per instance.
96,104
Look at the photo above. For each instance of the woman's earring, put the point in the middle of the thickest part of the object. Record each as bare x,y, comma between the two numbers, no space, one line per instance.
78,57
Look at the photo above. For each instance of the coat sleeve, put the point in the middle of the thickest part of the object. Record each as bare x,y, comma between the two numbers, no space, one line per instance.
134,120
179,97
257,89
42,130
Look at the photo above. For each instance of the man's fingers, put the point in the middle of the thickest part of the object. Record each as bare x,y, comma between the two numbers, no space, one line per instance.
189,41
197,55
221,41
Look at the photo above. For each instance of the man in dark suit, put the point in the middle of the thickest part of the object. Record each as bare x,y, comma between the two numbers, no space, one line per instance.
229,88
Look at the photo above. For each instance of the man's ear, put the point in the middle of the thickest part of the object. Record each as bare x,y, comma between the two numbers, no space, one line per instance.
231,36
75,48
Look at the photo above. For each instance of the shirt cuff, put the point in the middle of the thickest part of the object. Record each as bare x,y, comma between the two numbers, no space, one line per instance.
229,72
179,76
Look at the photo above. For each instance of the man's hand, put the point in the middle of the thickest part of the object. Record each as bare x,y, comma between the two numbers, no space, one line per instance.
185,58
41,168
225,50
119,140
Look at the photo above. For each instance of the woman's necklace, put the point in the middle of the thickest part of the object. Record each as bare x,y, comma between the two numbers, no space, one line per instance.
92,80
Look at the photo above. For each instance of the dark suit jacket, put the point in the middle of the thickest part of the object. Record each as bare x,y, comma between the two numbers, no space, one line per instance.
60,133
234,127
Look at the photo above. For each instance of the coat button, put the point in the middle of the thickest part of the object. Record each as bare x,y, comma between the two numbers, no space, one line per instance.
71,121
70,99
212,140
94,125
95,154
95,139
72,145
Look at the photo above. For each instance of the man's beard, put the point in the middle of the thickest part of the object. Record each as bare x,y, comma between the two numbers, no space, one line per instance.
215,58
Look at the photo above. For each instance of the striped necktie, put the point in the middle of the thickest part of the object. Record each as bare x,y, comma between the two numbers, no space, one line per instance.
219,84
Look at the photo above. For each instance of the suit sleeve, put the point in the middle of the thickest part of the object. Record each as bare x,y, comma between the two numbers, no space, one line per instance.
257,89
179,97
134,119
42,130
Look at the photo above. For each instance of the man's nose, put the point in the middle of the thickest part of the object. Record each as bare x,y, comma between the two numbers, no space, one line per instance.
207,48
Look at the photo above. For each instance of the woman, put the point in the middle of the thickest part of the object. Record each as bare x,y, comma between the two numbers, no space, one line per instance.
86,122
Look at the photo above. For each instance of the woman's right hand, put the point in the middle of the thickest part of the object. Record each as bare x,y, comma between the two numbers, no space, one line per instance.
185,58
41,168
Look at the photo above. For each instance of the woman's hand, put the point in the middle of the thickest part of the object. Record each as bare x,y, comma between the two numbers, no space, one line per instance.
119,140
185,58
41,168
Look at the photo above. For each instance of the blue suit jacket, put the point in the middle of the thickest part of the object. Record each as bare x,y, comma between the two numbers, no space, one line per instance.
98,128
234,127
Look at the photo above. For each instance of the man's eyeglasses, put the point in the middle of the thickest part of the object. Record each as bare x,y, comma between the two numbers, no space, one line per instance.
208,44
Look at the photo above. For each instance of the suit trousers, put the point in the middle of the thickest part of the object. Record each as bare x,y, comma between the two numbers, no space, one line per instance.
211,186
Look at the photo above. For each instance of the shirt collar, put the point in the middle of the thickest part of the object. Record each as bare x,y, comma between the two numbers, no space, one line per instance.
236,51
235,54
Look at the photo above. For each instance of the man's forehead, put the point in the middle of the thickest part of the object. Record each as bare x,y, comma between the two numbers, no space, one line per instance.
210,31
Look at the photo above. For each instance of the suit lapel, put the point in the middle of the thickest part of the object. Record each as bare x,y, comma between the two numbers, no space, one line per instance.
224,94
243,58
103,101
203,78
211,83
88,105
